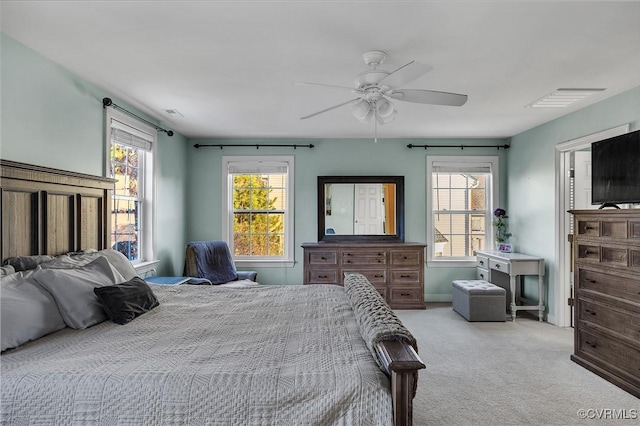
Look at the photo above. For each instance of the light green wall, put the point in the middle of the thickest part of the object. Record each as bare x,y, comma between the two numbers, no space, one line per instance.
51,117
532,171
330,157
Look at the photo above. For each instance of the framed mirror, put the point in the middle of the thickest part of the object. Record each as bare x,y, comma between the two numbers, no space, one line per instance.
360,208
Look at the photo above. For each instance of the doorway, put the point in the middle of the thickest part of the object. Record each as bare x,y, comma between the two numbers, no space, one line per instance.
573,167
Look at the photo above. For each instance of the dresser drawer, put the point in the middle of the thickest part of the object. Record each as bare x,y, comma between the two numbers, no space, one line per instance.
375,276
612,285
322,276
610,317
405,258
482,262
614,229
482,274
588,227
614,256
405,295
408,276
609,353
329,257
364,257
498,265
588,252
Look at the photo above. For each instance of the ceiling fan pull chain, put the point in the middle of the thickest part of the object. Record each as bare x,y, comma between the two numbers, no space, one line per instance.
375,130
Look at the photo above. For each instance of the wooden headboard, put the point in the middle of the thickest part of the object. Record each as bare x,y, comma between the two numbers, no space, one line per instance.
51,211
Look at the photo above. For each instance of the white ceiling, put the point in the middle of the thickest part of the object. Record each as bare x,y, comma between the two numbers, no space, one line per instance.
230,66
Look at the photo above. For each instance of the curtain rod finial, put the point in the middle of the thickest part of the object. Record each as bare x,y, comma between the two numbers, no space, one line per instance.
106,102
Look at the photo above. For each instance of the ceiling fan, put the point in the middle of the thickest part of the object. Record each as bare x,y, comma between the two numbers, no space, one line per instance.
375,88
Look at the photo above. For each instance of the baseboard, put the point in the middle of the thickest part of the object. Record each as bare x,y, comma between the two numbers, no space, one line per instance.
434,298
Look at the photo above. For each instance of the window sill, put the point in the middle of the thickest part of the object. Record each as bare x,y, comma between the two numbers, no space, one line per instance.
146,268
265,263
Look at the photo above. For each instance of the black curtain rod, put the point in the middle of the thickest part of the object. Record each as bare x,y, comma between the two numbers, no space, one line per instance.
198,145
505,146
108,102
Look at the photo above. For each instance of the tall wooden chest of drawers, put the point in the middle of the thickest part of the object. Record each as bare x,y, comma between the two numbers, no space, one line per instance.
607,294
396,270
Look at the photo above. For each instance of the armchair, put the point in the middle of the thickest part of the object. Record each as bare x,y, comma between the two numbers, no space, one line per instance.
212,260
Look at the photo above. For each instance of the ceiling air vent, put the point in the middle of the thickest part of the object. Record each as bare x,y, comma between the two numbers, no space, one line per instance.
562,98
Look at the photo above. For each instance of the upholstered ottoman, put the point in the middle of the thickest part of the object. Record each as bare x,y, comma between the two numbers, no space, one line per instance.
479,300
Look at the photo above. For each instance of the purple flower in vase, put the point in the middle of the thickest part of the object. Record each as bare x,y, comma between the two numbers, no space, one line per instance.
500,224
500,212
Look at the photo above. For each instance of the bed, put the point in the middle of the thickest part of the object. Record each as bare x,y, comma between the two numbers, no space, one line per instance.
323,355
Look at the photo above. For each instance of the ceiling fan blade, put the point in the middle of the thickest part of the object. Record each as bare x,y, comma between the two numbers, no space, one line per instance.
428,97
328,109
305,83
405,74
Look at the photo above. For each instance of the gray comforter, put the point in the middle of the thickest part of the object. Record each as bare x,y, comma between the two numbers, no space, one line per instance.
271,355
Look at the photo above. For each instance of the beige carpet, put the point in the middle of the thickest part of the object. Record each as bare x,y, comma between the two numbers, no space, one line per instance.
506,374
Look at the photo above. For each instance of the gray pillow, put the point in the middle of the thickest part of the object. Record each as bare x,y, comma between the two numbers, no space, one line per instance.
75,260
25,263
120,262
27,311
73,290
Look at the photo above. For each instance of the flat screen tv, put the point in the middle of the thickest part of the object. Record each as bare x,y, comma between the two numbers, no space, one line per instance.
615,170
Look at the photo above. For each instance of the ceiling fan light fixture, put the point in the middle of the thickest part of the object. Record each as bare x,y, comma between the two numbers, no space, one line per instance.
388,119
384,108
361,109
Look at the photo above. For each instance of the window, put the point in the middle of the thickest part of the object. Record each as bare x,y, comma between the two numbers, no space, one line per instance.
258,206
130,146
461,194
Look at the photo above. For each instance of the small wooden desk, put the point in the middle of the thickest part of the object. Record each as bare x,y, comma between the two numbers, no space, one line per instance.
514,265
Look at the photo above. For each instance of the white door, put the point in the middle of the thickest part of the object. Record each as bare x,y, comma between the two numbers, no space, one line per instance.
582,180
369,209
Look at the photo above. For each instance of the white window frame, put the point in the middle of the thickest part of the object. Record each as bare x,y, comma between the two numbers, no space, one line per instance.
492,203
227,211
146,262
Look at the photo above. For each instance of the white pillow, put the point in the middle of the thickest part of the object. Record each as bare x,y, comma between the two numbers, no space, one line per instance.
73,290
27,311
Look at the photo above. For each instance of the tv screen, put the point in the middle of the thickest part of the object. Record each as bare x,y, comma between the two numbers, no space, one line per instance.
615,170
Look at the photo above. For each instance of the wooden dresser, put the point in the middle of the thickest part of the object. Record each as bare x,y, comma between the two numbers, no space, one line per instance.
396,270
607,294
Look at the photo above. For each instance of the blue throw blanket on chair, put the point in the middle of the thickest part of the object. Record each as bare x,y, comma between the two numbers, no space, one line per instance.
214,261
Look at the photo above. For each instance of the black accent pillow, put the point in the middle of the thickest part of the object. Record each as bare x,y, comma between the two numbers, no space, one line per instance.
124,302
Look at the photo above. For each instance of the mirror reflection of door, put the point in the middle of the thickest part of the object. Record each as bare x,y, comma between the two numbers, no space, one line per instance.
369,215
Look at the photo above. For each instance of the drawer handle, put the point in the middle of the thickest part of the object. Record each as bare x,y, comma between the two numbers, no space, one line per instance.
481,262
482,276
405,294
405,276
348,261
323,276
379,261
593,345
405,258
323,258
378,276
590,281
589,312
587,228
497,266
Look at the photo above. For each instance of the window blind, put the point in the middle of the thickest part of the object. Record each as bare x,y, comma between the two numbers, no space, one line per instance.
445,167
127,135
258,167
